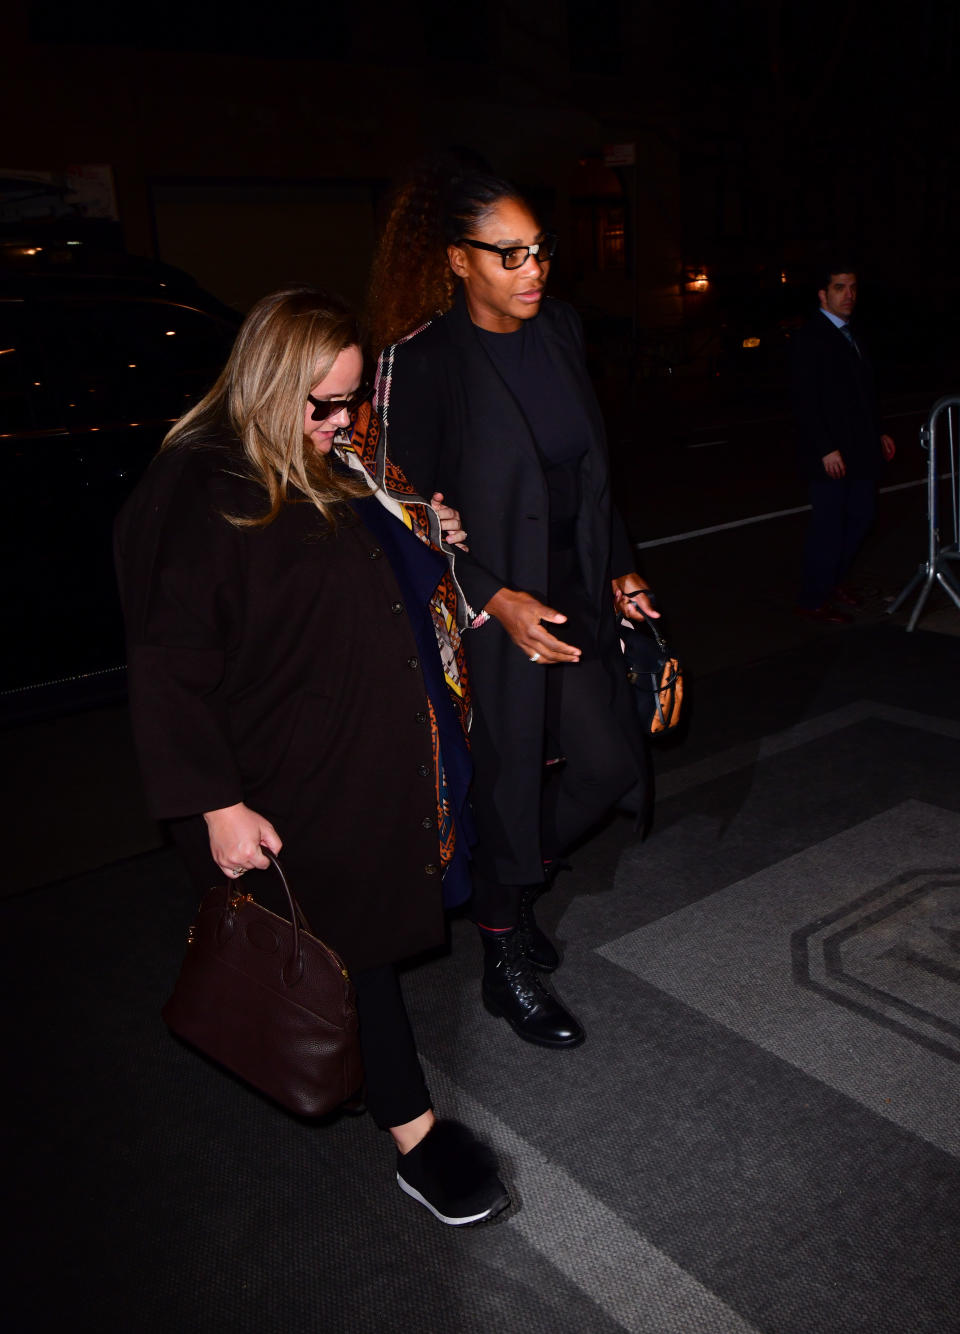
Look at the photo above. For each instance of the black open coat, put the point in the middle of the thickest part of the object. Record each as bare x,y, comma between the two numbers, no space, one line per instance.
277,666
453,425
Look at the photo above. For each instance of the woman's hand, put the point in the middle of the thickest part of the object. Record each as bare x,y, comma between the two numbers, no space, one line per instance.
236,833
520,614
633,599
449,518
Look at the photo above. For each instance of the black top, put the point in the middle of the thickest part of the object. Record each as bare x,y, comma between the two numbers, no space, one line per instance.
554,412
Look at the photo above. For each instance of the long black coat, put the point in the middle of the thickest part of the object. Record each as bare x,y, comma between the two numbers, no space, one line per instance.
278,667
453,425
834,402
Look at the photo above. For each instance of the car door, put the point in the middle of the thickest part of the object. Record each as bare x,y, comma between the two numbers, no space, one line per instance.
110,374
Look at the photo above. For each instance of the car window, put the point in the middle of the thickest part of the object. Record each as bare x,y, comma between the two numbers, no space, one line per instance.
120,360
16,412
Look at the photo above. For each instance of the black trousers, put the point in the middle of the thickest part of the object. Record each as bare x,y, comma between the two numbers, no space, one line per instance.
599,768
395,1088
843,510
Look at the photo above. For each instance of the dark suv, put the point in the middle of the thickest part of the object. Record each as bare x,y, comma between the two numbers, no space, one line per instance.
93,369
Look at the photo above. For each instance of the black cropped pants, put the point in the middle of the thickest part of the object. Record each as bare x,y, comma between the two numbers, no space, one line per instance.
395,1088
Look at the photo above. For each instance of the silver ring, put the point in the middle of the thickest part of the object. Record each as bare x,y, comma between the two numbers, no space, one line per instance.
534,657
239,870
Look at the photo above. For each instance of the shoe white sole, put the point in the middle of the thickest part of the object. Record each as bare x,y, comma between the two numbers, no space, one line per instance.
461,1221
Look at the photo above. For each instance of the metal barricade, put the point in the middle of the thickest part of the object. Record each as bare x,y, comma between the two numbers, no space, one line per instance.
940,437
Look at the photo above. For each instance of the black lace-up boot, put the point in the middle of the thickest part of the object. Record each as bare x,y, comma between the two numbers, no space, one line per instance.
537,945
512,989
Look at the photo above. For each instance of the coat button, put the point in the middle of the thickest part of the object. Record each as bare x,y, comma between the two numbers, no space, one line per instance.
423,771
396,608
431,869
413,663
421,717
427,823
374,553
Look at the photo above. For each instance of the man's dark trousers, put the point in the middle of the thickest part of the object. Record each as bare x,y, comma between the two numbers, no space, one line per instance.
843,512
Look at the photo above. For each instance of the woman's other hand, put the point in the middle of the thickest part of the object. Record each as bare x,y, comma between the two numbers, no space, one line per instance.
521,615
449,518
236,833
633,599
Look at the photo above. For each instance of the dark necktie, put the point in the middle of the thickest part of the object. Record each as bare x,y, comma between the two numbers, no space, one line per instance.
845,330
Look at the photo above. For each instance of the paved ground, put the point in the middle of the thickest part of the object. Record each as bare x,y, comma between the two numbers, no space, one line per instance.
758,1137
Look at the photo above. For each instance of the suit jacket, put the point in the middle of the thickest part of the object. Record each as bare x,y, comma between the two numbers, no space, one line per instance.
834,402
453,425
278,666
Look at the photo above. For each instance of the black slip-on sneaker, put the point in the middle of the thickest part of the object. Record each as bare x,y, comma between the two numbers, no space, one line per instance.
453,1175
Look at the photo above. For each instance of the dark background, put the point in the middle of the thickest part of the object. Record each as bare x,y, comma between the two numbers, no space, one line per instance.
252,147
248,150
252,151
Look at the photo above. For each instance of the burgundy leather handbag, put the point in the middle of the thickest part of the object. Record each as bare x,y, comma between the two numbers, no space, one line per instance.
265,998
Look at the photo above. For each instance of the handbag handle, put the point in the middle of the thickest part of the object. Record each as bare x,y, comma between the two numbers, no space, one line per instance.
651,626
661,642
298,919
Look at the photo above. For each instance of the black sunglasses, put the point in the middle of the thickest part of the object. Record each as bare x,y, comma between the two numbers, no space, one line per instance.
514,257
326,407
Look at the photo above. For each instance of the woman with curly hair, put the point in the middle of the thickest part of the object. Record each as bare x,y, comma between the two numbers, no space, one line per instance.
484,395
294,682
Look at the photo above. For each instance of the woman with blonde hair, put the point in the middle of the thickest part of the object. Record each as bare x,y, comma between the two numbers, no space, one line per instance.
296,682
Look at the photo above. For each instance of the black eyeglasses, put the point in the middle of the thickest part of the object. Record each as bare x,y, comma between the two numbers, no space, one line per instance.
326,407
514,257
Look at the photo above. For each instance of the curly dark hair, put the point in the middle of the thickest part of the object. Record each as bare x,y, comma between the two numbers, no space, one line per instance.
411,280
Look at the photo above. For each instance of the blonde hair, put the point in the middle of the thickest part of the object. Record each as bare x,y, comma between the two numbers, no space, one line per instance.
287,342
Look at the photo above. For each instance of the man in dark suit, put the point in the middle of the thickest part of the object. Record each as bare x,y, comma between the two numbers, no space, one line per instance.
842,449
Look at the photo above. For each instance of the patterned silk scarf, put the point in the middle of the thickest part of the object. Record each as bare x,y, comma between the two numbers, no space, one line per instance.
362,448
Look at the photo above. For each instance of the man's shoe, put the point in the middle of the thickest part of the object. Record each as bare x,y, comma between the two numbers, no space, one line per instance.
846,596
512,990
826,614
537,945
453,1175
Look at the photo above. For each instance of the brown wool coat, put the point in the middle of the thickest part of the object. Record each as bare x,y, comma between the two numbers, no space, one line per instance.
277,666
